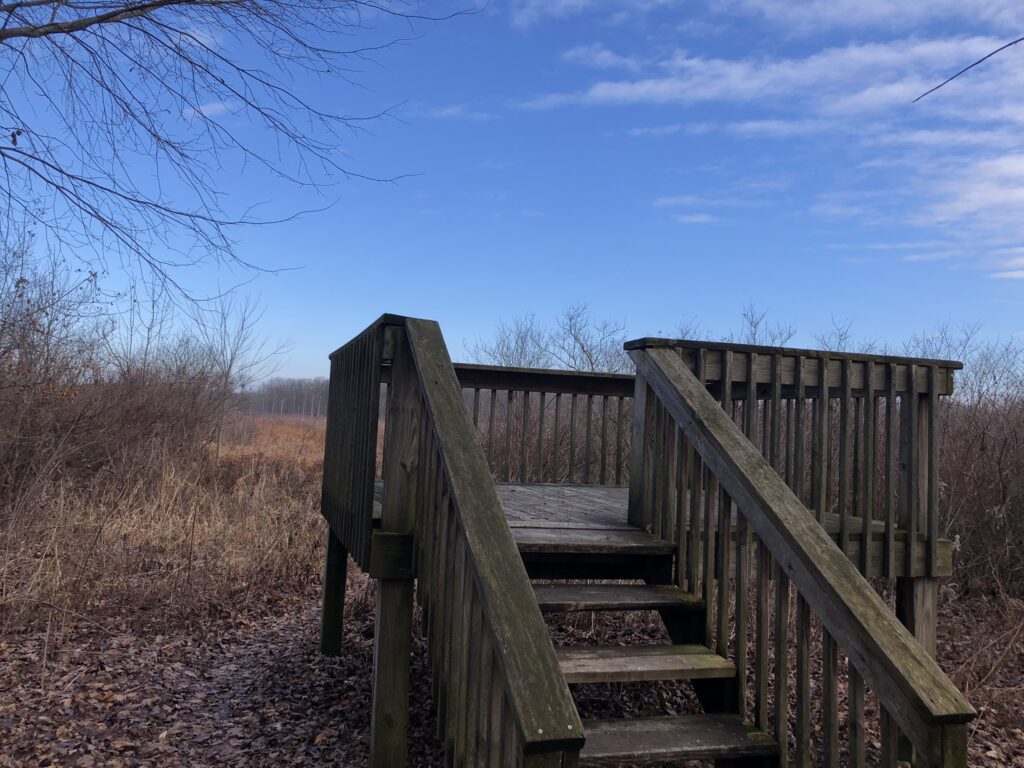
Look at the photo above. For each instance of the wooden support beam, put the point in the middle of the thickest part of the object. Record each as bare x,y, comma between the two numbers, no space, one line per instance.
392,646
333,607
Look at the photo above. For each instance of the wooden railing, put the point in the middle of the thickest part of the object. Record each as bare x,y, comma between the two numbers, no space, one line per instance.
701,482
542,426
350,447
501,698
854,436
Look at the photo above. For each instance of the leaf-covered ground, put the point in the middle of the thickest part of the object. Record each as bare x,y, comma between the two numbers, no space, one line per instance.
254,691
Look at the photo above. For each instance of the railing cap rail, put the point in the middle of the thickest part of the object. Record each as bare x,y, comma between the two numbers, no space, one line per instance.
649,342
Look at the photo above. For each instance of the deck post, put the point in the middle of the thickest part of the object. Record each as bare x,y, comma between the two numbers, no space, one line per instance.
392,646
333,608
639,459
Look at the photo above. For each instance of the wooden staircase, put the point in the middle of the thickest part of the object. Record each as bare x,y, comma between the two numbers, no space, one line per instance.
753,558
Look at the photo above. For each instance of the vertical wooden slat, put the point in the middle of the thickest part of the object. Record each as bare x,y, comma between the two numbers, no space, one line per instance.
476,406
829,700
509,408
524,439
683,461
798,426
693,570
603,474
782,665
668,474
855,717
762,638
619,424
909,458
589,440
555,464
932,470
490,430
891,483
844,458
710,508
776,429
742,604
802,724
541,414
822,439
657,472
722,568
868,480
572,439
890,738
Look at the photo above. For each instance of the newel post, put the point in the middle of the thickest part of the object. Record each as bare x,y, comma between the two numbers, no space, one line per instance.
640,513
391,560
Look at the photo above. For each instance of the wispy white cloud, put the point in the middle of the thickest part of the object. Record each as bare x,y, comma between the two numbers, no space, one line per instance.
598,56
696,218
1013,274
453,112
809,16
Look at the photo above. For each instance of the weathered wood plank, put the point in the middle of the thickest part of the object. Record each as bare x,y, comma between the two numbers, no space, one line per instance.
617,664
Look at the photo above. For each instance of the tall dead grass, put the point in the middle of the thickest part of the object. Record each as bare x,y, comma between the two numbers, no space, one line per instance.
171,539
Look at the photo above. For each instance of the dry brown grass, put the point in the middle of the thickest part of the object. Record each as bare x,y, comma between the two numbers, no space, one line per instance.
170,540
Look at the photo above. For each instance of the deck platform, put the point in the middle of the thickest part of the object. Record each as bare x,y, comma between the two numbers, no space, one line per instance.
546,517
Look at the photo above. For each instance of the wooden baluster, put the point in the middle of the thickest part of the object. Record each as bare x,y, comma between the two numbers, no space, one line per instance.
476,406
572,440
868,492
490,430
458,710
776,431
909,458
829,699
750,407
496,715
541,414
724,546
693,570
844,459
603,474
556,475
931,554
742,601
684,459
657,471
890,740
782,664
668,474
710,508
588,441
762,637
524,438
822,442
803,684
788,446
509,408
619,425
855,717
482,663
891,483
799,485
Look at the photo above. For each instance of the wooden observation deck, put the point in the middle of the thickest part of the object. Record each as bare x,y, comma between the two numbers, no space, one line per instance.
756,498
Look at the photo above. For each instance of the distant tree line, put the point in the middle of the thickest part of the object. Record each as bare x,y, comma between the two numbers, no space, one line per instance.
287,397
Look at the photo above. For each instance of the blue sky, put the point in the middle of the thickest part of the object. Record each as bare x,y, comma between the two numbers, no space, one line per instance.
663,159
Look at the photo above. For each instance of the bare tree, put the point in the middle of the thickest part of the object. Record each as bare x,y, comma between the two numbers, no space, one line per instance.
117,116
756,329
577,342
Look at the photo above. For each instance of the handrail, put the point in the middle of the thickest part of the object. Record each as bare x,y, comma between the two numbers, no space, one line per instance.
909,683
534,688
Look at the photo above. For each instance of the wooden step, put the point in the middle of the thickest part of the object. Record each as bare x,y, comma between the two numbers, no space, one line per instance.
646,741
590,541
616,664
565,598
